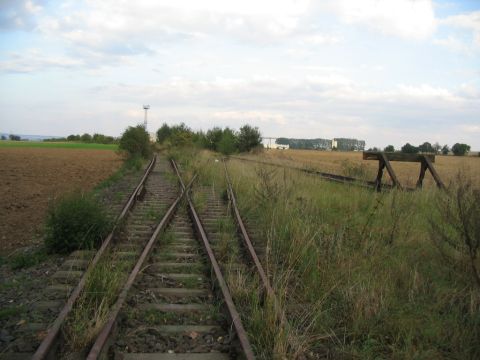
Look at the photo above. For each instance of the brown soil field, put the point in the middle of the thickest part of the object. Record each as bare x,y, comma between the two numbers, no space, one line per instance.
341,163
31,177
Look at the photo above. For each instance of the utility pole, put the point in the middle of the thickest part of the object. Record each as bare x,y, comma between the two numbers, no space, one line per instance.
145,107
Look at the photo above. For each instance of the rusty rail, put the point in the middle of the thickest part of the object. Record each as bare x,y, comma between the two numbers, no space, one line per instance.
246,238
281,316
236,320
54,331
327,176
102,338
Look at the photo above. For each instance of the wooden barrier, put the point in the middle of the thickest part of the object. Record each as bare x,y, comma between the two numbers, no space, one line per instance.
426,162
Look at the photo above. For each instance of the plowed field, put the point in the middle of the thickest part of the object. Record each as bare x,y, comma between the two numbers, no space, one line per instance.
31,177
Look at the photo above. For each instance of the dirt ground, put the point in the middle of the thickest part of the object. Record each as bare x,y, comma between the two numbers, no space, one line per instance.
339,162
31,177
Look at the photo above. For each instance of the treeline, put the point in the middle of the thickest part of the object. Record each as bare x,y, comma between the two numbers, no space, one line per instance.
86,138
457,149
11,137
226,141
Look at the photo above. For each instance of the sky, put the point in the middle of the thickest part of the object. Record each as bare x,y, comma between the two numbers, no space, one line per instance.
386,71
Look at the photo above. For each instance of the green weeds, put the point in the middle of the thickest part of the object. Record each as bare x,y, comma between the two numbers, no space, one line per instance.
75,221
92,309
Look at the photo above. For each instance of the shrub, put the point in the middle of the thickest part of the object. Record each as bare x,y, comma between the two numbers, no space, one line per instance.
136,142
76,221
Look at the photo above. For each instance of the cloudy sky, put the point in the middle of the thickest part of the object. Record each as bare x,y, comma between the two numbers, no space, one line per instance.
387,71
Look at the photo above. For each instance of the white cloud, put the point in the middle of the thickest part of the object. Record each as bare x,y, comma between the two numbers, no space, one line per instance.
34,60
469,21
413,19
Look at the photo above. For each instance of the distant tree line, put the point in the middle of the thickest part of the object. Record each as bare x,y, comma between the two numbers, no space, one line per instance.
87,138
226,141
457,149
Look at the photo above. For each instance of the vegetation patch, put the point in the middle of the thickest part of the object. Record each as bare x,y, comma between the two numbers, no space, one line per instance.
92,309
135,141
75,221
27,259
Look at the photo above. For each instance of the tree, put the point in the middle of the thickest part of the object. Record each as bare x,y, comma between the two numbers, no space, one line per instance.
86,138
437,147
213,137
73,137
4,137
389,148
426,147
445,149
248,138
136,141
163,133
460,149
228,142
409,149
14,137
181,135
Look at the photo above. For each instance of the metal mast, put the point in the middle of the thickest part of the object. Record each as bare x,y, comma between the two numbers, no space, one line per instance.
145,107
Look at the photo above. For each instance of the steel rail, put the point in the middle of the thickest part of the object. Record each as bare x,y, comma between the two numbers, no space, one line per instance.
102,338
236,320
327,176
282,318
53,332
246,238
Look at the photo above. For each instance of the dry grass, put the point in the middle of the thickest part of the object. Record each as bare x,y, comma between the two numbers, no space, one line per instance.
336,162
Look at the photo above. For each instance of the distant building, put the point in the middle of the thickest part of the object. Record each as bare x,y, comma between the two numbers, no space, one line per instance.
344,144
269,143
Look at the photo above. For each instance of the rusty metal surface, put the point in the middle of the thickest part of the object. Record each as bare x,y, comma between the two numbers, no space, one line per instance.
397,156
227,297
53,332
102,338
246,238
327,176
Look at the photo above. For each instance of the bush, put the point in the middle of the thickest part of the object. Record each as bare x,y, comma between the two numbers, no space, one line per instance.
76,221
136,142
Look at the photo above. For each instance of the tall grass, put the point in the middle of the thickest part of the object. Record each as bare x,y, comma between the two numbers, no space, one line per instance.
370,281
356,272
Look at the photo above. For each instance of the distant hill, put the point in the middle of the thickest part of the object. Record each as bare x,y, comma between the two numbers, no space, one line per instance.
30,137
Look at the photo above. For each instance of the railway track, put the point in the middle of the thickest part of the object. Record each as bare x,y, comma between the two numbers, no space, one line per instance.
45,306
176,303
327,176
178,306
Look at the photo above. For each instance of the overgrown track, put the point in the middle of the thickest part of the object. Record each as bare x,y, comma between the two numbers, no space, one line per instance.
133,228
169,309
327,176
